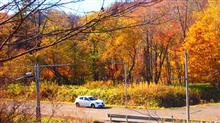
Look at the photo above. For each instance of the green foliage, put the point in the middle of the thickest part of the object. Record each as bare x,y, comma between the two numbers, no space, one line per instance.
208,93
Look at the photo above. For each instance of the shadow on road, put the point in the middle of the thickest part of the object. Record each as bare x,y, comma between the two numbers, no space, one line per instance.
107,107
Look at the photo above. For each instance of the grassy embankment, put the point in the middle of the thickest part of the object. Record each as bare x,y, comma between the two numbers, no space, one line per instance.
44,119
139,95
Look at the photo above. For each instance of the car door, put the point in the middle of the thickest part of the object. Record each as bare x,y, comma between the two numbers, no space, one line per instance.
81,101
86,102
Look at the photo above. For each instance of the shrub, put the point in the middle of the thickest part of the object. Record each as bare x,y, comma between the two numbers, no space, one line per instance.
100,84
49,90
145,95
208,93
15,89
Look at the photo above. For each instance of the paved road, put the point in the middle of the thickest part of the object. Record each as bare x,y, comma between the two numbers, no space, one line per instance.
210,112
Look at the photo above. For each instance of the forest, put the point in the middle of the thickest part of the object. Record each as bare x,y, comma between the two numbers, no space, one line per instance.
147,39
132,47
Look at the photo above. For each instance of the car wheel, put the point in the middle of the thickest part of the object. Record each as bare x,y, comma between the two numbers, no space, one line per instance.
77,104
92,106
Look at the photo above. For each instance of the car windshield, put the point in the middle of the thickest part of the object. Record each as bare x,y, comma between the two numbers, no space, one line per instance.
92,98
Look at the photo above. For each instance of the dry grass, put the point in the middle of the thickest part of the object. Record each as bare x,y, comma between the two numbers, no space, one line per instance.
145,95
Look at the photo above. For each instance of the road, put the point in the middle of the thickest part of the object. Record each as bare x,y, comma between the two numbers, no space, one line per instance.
210,112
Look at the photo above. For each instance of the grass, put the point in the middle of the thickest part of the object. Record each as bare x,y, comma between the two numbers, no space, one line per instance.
45,119
139,95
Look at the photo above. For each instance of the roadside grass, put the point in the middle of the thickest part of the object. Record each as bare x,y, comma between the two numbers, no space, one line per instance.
46,119
31,119
141,95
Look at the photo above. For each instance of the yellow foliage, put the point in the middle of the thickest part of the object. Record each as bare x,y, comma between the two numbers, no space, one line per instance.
95,84
203,44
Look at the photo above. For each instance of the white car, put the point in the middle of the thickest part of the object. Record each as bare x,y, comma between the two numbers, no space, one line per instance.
89,101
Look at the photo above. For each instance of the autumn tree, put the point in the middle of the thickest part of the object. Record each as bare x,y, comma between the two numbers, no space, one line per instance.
123,47
203,44
71,52
183,15
24,10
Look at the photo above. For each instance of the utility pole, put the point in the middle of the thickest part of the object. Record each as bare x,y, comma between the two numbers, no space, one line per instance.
37,72
37,79
187,87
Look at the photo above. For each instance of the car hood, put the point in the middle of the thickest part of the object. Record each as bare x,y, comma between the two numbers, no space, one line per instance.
99,101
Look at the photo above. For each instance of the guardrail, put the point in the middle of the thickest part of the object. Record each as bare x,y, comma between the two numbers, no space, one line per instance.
126,118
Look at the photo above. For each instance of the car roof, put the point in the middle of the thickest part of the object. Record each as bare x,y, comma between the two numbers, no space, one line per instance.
84,96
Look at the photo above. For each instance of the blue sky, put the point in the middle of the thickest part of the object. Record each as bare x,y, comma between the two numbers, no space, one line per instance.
79,8
86,6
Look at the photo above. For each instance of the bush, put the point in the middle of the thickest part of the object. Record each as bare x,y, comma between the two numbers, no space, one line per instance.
138,94
160,95
15,89
145,95
49,90
208,93
100,84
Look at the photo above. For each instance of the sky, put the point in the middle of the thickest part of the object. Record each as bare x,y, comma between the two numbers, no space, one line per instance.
78,8
86,6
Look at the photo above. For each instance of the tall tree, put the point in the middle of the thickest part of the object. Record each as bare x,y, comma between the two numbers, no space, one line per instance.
203,44
35,8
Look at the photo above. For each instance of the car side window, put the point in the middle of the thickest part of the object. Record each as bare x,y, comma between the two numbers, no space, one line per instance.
86,99
81,98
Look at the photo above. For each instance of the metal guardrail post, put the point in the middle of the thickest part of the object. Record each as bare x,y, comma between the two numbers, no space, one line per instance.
110,118
172,119
126,118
